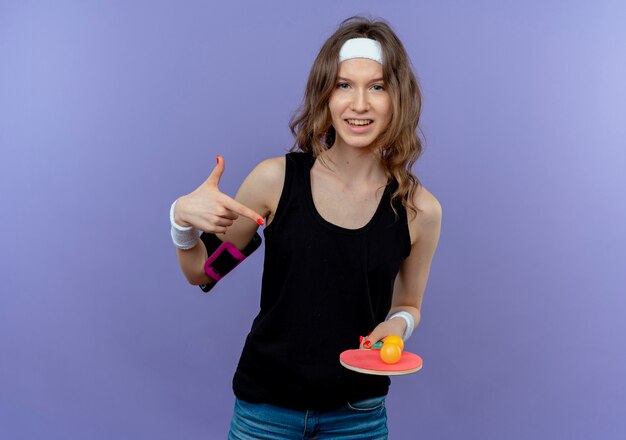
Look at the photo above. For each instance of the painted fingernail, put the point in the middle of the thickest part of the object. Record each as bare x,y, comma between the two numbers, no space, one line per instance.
360,339
367,344
217,158
260,221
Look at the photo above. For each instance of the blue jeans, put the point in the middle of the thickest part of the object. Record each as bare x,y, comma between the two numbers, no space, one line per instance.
362,420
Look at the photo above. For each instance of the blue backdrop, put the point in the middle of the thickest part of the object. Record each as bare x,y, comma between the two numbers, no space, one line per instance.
110,110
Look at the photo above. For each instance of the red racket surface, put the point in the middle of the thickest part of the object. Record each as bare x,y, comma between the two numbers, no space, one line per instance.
369,362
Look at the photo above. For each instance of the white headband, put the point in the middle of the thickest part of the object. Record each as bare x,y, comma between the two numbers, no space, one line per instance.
361,48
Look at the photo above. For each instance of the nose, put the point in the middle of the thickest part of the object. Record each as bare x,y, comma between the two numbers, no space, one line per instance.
360,101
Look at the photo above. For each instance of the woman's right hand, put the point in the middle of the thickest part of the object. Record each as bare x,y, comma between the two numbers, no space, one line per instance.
208,209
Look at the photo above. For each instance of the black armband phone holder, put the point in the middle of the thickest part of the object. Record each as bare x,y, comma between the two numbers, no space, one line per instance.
224,256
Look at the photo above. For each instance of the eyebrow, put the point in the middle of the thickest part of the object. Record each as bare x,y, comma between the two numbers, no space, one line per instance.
348,79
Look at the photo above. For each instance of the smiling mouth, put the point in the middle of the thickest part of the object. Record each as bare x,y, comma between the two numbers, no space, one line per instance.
359,122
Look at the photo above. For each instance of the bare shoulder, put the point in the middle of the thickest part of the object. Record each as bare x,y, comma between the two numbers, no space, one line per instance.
428,218
271,171
428,204
264,185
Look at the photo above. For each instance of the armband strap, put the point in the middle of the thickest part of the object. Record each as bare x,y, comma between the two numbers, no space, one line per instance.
224,256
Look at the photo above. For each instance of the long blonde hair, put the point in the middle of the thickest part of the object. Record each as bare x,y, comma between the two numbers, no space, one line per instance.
398,146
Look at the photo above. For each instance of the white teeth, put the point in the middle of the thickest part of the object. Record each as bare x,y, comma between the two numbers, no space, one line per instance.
359,121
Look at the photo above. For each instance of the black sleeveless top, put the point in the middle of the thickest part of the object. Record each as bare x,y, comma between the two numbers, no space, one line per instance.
323,286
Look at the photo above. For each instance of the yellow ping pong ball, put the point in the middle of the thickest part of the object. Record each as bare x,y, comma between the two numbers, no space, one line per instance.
394,339
390,353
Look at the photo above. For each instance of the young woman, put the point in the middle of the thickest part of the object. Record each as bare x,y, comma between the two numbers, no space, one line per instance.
349,239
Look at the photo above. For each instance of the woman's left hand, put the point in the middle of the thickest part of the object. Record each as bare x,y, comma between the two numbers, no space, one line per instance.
395,326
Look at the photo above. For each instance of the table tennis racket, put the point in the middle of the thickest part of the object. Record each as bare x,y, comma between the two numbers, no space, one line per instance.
368,361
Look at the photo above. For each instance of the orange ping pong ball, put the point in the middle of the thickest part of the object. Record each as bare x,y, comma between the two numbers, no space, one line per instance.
394,339
390,353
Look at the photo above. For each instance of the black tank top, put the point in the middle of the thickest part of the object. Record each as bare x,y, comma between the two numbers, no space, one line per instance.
323,286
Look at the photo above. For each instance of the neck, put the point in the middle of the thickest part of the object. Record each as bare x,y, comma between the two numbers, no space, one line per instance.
355,166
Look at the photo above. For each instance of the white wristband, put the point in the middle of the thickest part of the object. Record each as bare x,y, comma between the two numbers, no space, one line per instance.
410,322
184,237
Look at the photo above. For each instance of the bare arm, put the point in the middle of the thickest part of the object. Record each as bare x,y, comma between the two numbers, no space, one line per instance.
410,283
232,220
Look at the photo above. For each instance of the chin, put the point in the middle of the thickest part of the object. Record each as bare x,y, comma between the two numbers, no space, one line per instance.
358,143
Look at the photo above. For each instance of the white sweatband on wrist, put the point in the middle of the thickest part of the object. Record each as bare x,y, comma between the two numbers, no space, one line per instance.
184,237
410,322
361,48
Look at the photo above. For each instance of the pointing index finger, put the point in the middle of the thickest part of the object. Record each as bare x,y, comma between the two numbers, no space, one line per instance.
234,205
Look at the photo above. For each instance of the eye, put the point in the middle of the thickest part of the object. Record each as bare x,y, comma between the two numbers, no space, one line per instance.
378,85
339,86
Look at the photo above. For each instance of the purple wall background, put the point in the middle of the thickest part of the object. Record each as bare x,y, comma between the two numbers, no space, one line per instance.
110,110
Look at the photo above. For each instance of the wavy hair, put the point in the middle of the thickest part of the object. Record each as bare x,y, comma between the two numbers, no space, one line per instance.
399,146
